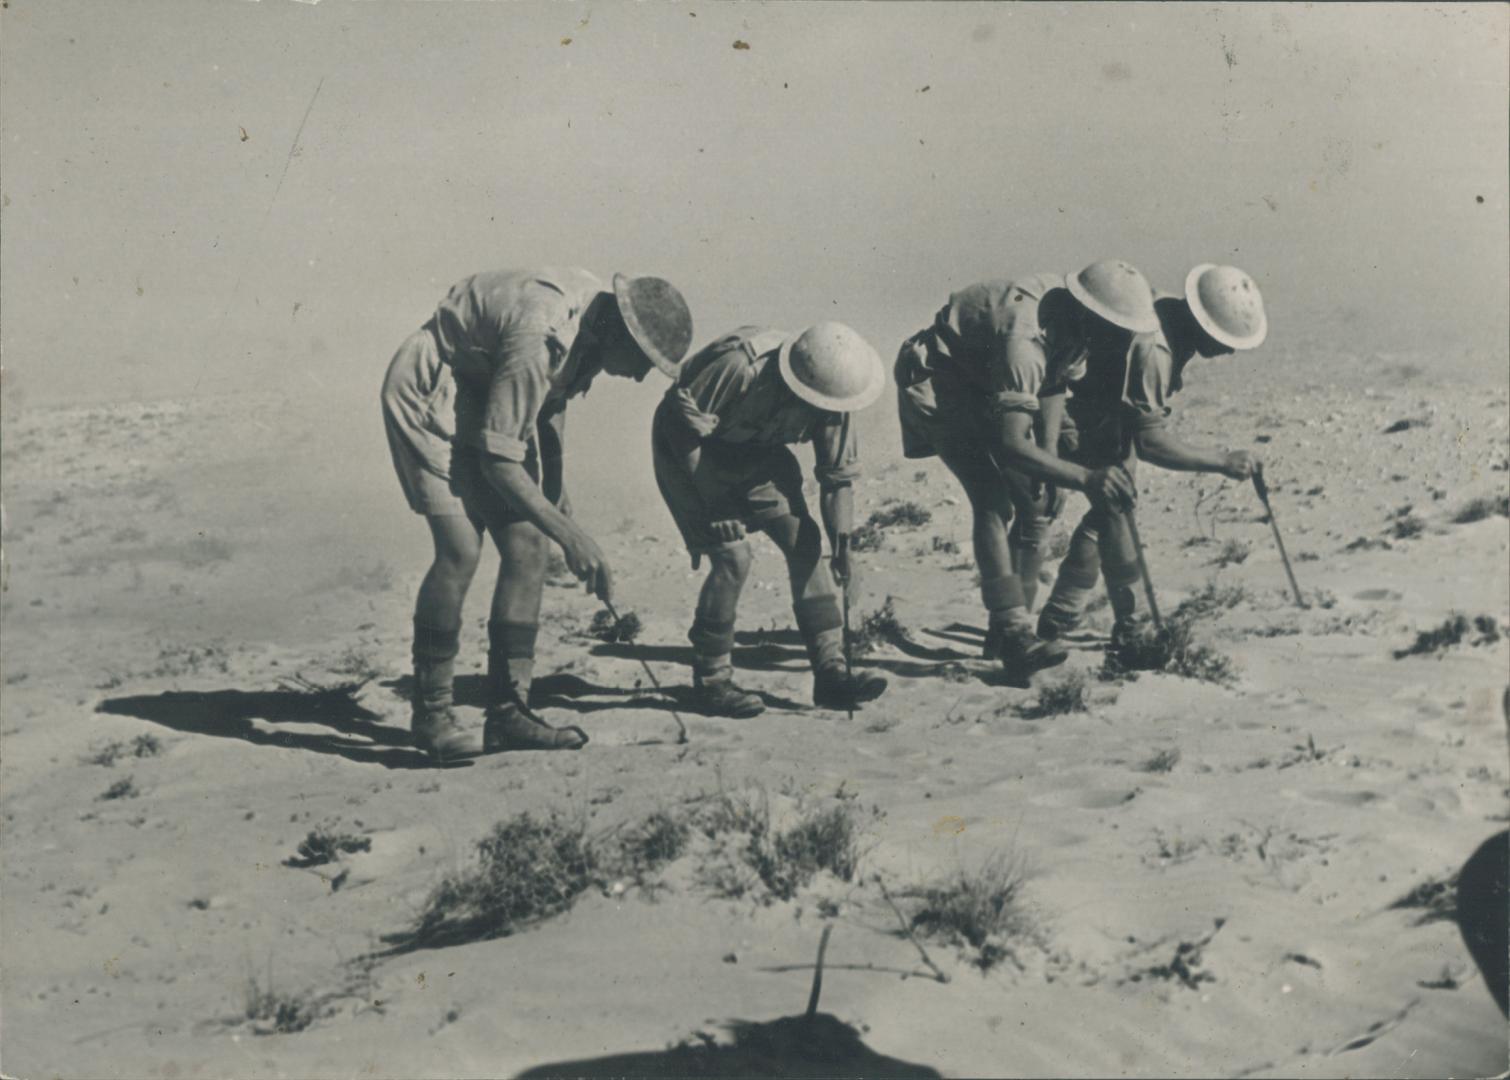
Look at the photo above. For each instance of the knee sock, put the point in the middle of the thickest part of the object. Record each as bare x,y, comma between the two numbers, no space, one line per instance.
511,662
1119,564
434,656
1077,577
1005,604
822,629
712,649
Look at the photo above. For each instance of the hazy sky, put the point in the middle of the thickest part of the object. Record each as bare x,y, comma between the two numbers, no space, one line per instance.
856,161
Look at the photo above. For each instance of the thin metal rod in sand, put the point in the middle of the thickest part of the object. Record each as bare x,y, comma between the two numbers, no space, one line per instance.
849,673
907,932
812,997
1260,486
1153,605
681,728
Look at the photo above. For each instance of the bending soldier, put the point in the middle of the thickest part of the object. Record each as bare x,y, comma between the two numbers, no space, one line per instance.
519,344
721,447
967,387
1221,313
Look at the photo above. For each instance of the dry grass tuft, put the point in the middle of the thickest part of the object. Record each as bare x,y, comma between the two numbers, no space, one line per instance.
1170,650
1479,509
981,908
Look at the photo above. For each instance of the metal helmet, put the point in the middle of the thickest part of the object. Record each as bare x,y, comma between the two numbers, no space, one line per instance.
1117,292
657,318
1227,304
833,367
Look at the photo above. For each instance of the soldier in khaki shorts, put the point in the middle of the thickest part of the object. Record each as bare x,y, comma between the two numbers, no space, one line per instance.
968,385
721,442
519,345
1122,408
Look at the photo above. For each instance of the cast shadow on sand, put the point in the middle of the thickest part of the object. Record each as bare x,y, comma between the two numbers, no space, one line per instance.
356,733
768,655
794,1046
563,690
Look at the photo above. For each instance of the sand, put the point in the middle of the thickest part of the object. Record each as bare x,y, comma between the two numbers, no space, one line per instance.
165,551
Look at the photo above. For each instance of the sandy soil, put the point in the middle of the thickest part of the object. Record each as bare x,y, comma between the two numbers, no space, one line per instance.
168,573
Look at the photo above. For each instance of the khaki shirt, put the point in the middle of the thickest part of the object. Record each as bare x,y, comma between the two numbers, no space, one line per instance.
1000,340
732,392
510,338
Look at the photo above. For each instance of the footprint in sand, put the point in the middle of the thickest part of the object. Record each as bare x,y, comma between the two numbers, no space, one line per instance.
1345,798
1378,594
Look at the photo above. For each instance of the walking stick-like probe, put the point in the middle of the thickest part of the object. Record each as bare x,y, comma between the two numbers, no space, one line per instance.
681,728
1260,486
1153,605
849,675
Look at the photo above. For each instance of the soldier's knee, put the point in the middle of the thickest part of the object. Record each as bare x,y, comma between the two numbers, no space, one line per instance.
733,561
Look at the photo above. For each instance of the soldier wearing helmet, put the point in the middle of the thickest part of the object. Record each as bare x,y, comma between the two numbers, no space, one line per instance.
721,441
519,345
969,391
1222,312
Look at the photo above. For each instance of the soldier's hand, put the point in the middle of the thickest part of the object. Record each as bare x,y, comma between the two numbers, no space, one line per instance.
1241,465
729,531
1111,487
586,560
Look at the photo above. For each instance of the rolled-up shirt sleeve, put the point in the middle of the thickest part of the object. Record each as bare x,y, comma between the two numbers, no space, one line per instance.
1015,373
836,451
1150,369
516,392
693,408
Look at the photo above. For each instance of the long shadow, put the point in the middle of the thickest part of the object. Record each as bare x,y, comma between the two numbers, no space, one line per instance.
563,690
356,733
792,1046
768,658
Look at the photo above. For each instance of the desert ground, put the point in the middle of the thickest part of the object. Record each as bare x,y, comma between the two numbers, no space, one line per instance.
223,857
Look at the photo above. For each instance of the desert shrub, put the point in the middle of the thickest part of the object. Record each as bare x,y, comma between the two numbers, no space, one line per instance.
1162,762
1170,650
981,908
782,862
272,1012
1407,527
623,630
882,724
121,789
659,839
878,628
1233,552
1406,424
909,514
527,869
948,547
1479,509
871,535
357,663
325,845
1069,694
1435,898
1452,631
1210,599
143,746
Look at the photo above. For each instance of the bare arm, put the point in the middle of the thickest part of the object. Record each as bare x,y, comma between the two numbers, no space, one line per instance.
583,556
1103,486
1159,446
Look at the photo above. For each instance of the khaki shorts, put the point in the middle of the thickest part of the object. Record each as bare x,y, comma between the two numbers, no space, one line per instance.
416,433
754,485
480,500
